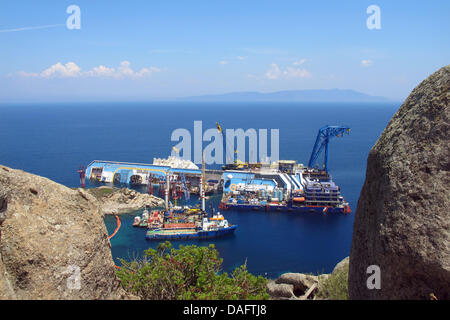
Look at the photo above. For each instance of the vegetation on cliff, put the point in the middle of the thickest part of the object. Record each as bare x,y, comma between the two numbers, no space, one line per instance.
189,272
335,286
101,193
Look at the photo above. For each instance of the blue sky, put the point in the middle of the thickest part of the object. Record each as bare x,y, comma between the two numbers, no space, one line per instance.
145,50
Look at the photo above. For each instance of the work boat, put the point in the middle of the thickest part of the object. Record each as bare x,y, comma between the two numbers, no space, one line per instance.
213,227
142,221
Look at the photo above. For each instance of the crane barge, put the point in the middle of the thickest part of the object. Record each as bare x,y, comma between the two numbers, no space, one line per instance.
288,186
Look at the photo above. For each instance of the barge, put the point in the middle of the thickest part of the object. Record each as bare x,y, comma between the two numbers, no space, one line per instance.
286,185
302,191
210,228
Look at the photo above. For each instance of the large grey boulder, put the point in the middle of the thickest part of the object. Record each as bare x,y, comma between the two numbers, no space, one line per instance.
279,291
53,242
300,282
402,222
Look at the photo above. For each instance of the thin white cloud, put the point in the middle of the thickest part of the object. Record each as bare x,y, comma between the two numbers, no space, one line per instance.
147,71
72,70
296,73
299,62
24,74
275,72
366,63
124,69
68,70
32,28
223,62
101,71
241,58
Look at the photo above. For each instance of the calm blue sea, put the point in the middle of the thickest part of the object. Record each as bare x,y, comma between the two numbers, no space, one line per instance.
52,140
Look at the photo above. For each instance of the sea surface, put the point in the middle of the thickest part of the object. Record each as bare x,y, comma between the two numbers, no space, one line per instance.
53,140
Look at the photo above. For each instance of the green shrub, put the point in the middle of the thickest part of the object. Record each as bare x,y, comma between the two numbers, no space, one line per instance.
335,287
101,192
189,272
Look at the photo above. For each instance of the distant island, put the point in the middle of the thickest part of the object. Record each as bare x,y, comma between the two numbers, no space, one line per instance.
319,95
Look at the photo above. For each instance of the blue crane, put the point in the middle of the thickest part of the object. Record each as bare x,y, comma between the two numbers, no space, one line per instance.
323,137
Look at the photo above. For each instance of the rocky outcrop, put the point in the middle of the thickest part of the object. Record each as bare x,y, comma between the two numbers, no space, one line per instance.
341,265
53,242
118,201
300,286
280,291
402,222
300,282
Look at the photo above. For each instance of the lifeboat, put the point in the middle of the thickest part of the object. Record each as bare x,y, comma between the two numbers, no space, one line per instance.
299,199
217,217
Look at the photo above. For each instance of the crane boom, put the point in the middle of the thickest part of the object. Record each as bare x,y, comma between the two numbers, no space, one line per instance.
323,137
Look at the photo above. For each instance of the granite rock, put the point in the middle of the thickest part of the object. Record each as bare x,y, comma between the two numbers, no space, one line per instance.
53,242
402,223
